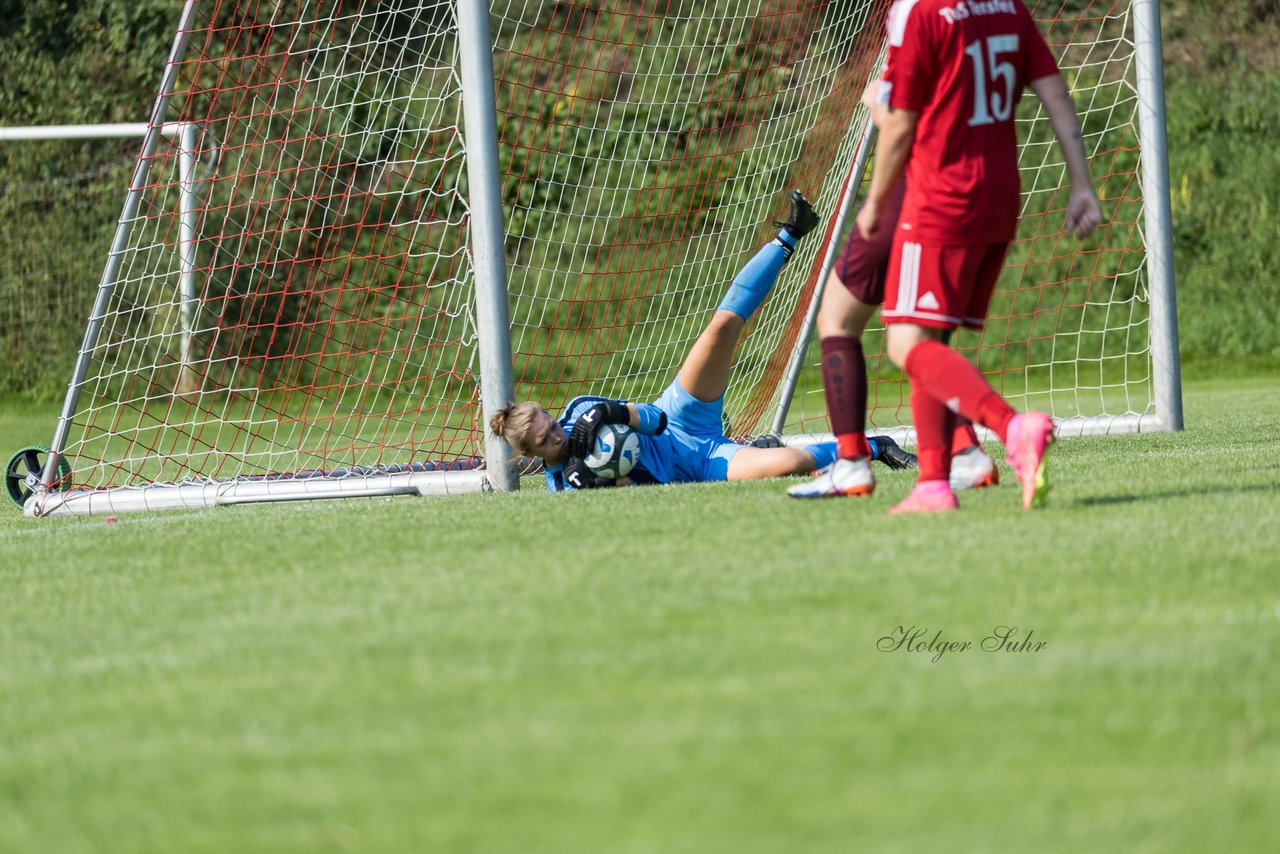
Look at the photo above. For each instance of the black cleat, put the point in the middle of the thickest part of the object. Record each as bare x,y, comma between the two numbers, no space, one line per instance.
802,218
891,454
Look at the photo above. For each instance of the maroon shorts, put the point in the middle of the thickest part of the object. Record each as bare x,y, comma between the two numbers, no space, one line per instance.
862,263
941,286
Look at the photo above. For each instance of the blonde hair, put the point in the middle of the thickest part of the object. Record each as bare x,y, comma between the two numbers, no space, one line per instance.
513,422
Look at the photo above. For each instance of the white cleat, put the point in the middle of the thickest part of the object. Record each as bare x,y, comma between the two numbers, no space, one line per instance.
973,469
841,478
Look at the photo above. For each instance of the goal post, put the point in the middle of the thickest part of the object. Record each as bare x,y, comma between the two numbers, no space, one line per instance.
140,233
1165,358
417,211
488,247
115,257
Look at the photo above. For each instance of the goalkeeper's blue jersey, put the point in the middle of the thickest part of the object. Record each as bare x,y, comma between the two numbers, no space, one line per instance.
655,453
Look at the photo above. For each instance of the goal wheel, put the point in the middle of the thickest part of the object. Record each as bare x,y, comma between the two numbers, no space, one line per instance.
22,477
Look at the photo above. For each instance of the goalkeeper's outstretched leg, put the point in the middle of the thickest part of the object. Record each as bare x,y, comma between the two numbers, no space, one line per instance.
704,376
682,436
705,372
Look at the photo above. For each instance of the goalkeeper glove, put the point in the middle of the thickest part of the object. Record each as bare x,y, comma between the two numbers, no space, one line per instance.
583,435
891,454
577,475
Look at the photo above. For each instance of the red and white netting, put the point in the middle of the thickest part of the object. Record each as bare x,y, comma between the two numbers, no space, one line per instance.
328,316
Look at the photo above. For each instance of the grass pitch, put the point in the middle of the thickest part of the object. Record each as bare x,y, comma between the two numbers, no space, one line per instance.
684,669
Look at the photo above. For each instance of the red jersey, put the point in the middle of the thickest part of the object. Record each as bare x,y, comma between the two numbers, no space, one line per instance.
962,65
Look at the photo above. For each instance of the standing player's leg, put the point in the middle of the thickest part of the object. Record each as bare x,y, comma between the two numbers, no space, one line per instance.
934,423
842,317
942,288
853,292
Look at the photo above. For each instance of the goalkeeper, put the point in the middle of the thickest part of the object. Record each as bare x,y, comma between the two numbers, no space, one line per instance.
681,433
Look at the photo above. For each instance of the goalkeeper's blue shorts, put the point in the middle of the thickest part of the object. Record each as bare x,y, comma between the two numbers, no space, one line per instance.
693,448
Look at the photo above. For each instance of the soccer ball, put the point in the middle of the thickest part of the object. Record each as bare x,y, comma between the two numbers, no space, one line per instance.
616,451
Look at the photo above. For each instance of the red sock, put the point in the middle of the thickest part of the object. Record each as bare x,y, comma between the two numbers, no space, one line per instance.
947,376
934,424
964,436
844,381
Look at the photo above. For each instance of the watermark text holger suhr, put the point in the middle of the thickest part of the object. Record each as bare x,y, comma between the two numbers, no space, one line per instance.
919,639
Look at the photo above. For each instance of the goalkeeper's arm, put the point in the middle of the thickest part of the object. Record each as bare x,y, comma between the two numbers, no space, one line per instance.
647,418
643,417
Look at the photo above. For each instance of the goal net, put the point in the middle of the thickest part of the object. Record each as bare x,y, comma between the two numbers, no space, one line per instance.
1069,330
289,308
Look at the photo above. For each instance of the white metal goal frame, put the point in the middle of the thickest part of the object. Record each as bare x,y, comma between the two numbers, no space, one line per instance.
491,300
491,313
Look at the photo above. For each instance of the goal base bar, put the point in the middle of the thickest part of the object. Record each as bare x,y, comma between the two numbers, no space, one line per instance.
1094,425
179,496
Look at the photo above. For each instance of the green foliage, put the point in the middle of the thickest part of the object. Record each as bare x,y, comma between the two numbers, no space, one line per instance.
67,61
54,233
1224,118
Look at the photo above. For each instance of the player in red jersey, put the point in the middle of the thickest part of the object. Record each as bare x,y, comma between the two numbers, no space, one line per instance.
853,292
954,75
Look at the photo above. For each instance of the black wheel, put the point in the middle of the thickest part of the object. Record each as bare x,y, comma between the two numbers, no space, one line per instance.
23,474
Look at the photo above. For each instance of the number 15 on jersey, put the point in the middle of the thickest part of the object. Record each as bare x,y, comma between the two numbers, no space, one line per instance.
993,79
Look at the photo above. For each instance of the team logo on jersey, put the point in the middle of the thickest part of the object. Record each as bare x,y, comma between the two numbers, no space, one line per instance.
928,302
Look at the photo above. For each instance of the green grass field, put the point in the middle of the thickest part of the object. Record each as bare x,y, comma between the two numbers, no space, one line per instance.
684,669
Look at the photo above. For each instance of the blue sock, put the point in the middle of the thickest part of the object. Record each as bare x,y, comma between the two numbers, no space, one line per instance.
824,452
752,284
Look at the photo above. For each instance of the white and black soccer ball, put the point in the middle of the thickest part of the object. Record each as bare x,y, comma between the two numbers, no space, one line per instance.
616,451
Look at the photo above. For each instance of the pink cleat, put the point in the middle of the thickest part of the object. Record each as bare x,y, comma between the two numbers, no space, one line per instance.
930,496
1030,435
